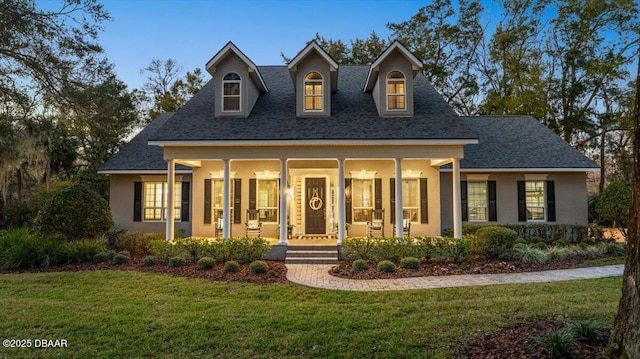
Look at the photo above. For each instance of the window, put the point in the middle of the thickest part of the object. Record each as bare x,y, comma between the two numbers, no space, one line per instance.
396,91
218,197
267,199
534,197
477,200
231,92
155,198
313,92
411,199
363,198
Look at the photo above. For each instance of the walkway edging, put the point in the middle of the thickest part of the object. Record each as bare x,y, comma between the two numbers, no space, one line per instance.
317,275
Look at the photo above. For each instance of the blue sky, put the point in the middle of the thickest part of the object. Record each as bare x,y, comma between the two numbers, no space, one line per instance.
192,31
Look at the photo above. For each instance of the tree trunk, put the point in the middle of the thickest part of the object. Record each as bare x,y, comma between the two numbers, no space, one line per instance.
625,338
602,162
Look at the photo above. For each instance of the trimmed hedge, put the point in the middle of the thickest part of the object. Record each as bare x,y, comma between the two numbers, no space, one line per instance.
494,241
575,233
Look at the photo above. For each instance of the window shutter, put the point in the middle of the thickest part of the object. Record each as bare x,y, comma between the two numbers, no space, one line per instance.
392,182
207,201
493,208
185,205
522,204
463,201
237,195
137,201
252,193
551,201
347,200
424,203
378,193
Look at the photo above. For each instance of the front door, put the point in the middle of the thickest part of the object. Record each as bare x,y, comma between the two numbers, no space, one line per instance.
315,219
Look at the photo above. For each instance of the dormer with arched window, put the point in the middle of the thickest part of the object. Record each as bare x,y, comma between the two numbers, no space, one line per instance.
390,81
315,78
238,82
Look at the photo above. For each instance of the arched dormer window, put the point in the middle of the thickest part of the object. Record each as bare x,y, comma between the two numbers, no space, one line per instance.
231,92
313,92
396,91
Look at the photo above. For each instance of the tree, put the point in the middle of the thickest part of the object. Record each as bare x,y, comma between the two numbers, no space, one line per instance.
47,52
361,52
613,204
625,337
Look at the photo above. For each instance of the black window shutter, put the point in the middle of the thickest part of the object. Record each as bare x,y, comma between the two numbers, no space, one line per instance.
522,203
252,193
493,208
378,193
237,195
137,201
347,200
551,201
392,186
185,205
463,201
424,203
207,201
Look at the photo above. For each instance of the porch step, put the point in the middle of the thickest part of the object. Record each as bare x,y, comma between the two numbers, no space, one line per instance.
309,254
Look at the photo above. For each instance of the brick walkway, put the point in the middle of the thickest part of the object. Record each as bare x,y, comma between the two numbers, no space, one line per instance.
317,275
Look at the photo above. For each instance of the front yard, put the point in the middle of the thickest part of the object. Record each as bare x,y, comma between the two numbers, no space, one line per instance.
104,314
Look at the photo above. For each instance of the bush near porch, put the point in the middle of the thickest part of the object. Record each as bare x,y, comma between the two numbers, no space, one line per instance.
574,233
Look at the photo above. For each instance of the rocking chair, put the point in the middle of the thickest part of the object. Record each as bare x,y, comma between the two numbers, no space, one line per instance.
376,224
253,224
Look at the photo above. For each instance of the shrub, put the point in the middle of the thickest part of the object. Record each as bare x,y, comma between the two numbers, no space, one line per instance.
258,267
613,204
121,258
519,245
410,263
135,243
386,266
589,329
455,249
540,245
150,261
75,212
206,263
519,241
526,254
176,261
613,248
77,251
164,249
360,265
20,249
102,257
561,243
191,247
231,267
536,239
558,343
243,250
559,253
494,241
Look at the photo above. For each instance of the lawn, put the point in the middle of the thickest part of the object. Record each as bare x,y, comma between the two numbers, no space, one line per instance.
128,314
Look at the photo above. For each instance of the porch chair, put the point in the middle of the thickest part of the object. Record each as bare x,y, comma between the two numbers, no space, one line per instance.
406,227
376,224
219,226
253,224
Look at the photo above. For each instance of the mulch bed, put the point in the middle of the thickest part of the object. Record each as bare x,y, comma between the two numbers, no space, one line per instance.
520,341
437,268
277,271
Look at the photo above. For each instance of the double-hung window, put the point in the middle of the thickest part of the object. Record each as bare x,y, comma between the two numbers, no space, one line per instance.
477,200
411,199
231,92
155,201
313,92
535,200
363,199
396,86
267,199
218,197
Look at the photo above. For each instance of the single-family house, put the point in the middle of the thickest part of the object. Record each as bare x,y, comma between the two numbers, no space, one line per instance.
314,148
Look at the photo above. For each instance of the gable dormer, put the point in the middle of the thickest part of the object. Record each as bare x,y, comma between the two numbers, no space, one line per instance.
315,78
238,83
390,81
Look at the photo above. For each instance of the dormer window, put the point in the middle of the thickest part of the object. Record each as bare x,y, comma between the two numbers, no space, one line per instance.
231,93
396,91
313,90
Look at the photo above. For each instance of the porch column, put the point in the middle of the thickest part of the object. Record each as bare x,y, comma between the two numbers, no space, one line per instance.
457,209
226,217
283,202
399,205
171,180
341,202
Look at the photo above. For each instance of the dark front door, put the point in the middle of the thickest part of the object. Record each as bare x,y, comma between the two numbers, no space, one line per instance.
315,206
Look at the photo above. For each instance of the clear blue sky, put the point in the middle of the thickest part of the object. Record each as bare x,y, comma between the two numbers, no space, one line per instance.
192,31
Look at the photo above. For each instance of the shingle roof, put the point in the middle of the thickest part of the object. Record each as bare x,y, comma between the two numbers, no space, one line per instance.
353,115
518,142
137,155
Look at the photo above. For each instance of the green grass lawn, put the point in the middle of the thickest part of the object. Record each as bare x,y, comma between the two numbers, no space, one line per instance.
126,314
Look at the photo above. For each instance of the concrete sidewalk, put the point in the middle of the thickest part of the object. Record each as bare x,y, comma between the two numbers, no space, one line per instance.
317,275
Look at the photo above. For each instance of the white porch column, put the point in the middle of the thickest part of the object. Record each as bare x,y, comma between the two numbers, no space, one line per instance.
226,210
171,180
283,202
457,206
399,205
341,202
